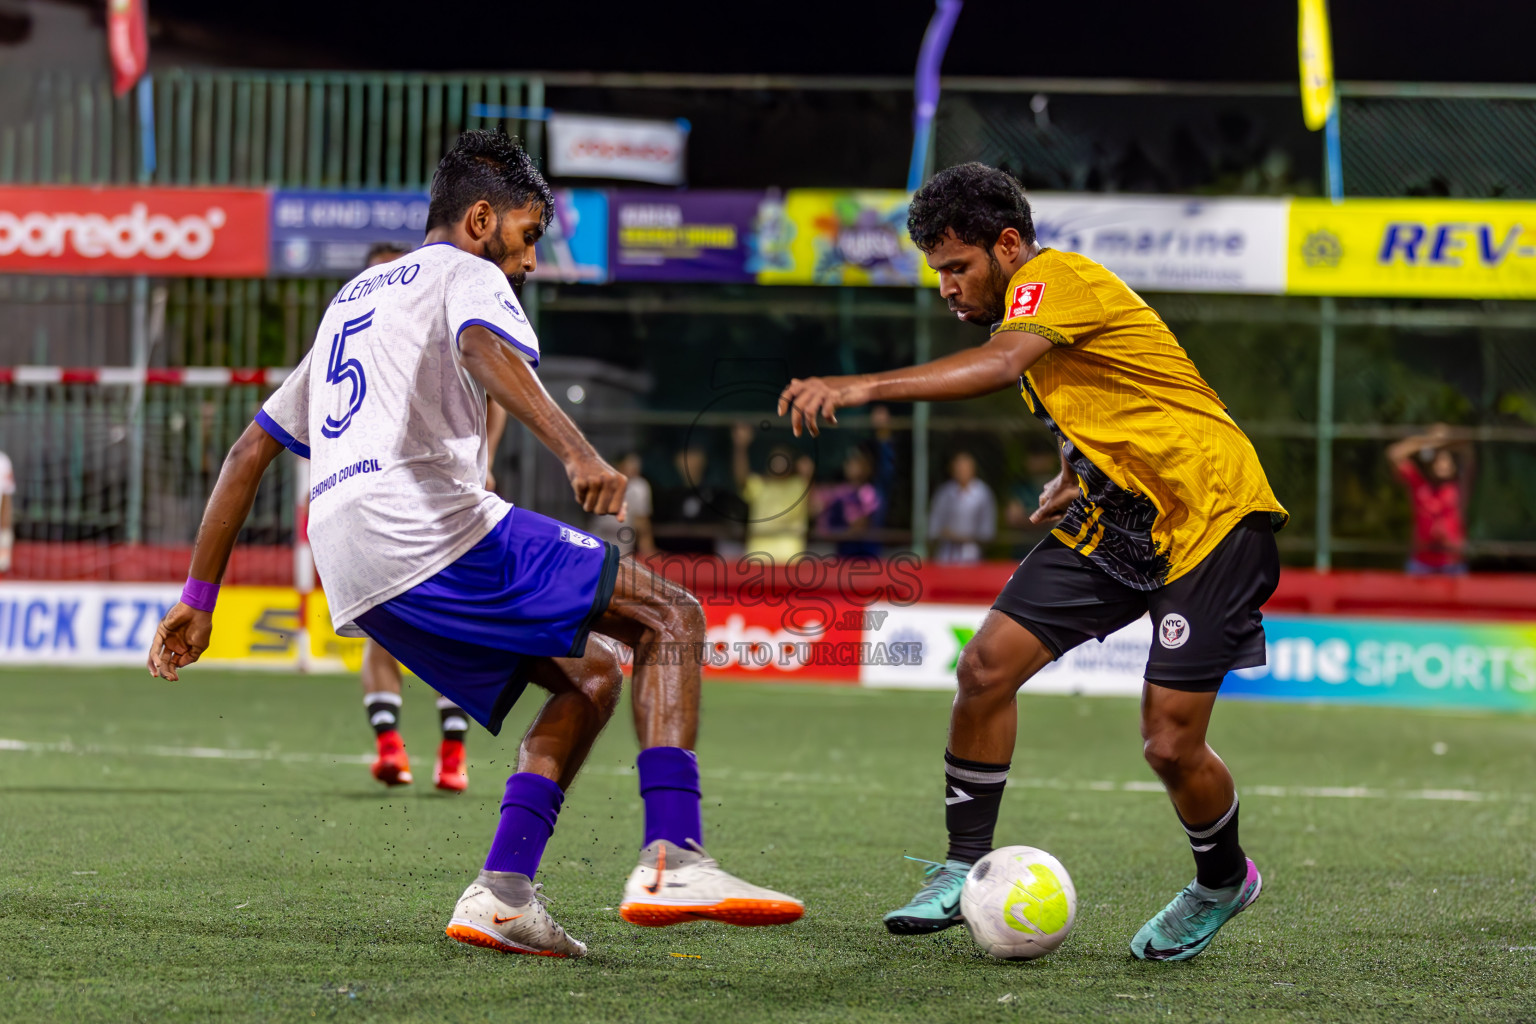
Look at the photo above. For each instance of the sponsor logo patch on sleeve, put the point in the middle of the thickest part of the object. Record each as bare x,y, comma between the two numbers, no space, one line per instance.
1025,299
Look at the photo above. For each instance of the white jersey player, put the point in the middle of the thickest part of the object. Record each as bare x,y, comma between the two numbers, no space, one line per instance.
474,596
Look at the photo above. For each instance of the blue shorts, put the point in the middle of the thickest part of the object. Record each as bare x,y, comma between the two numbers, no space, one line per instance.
532,588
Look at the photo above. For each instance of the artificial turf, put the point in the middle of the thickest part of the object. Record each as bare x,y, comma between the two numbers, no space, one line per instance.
282,883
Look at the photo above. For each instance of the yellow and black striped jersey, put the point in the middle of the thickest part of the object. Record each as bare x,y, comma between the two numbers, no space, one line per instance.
1164,471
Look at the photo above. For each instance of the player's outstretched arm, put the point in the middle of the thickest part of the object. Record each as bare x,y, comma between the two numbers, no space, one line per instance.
516,388
969,374
184,632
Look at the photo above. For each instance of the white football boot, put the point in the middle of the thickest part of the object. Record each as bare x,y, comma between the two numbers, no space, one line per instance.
672,885
503,910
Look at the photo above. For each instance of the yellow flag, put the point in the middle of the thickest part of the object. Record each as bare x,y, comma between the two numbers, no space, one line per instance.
1316,63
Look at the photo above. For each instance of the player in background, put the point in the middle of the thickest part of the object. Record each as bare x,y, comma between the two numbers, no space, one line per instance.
382,684
476,597
7,511
1163,508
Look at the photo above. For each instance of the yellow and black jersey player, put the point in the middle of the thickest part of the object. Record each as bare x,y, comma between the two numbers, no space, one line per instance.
1163,509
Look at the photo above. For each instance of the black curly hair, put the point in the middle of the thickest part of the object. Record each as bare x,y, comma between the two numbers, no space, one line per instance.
975,201
491,166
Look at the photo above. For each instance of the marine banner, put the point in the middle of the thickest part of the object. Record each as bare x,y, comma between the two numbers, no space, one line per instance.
839,237
1171,243
685,236
1413,248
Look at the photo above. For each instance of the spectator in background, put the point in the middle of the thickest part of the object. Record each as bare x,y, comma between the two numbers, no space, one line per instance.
778,514
385,252
1431,465
963,516
860,503
7,528
634,534
846,510
695,515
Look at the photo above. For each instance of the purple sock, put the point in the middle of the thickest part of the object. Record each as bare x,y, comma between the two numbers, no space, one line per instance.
669,785
528,814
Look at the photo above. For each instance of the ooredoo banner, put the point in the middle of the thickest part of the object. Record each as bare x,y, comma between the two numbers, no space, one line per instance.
190,232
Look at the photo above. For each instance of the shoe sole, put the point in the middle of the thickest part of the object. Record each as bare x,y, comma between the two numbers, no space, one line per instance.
456,785
919,925
746,913
393,776
474,935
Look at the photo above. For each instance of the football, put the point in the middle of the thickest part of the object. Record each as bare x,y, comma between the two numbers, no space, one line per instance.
1019,903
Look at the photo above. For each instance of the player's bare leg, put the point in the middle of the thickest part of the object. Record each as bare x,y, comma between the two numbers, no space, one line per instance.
1173,729
676,880
502,908
983,726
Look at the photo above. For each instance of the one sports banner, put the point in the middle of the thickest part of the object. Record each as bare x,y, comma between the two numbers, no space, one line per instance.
707,236
1488,666
1413,248
173,232
328,234
1171,243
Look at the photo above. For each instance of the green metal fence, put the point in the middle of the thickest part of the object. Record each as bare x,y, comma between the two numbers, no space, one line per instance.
314,130
1321,386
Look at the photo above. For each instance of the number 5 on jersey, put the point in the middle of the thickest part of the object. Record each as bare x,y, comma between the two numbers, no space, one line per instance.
340,369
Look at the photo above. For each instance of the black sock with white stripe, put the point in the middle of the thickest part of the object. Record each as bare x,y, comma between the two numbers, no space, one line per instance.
1219,858
383,711
454,721
973,794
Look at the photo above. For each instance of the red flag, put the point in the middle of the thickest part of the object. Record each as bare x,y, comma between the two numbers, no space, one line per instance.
127,42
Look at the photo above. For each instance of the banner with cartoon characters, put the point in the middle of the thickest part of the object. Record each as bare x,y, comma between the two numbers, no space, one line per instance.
839,237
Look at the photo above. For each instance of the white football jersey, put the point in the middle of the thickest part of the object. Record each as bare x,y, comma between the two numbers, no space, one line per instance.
393,425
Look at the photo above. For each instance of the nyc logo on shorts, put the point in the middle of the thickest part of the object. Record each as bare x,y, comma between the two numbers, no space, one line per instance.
1025,299
1173,631
578,538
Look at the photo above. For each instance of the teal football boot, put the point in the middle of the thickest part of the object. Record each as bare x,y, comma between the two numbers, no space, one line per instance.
936,905
1188,924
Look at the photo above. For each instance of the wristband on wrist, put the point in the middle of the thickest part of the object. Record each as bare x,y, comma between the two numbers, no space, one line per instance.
200,595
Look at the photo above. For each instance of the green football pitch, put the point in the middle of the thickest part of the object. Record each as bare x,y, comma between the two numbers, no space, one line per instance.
216,849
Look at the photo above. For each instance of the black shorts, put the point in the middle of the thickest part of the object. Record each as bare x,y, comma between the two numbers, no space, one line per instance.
1205,624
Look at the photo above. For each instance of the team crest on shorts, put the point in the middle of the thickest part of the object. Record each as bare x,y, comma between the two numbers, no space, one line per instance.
1173,630
1025,299
578,538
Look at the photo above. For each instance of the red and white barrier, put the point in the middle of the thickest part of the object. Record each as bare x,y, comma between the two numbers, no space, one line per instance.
129,376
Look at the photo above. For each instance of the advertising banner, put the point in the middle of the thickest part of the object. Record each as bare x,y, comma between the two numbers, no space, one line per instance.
581,146
574,249
1413,248
328,234
184,232
1489,666
931,636
685,236
777,642
839,237
113,624
1171,244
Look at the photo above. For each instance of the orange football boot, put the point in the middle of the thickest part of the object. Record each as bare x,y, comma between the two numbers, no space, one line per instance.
393,767
449,773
